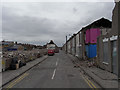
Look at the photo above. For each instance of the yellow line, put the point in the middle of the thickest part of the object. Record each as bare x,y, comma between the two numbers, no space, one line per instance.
17,80
87,83
91,83
13,83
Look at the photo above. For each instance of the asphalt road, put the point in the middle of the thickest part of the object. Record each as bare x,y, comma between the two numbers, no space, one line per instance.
55,72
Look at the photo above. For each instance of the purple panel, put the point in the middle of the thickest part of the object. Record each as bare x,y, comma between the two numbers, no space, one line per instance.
94,33
87,36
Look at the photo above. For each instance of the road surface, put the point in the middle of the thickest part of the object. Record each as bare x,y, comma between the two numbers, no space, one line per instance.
55,72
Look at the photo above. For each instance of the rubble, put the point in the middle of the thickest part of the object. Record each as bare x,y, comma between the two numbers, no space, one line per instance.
21,57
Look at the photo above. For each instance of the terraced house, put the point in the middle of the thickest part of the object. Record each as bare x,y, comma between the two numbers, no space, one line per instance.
84,43
99,41
108,45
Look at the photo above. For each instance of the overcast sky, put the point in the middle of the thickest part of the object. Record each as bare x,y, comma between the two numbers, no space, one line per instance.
40,22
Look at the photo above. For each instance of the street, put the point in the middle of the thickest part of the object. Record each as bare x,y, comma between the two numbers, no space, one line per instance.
64,44
56,71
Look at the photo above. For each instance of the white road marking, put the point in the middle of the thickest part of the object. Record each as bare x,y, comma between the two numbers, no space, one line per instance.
55,70
57,62
53,74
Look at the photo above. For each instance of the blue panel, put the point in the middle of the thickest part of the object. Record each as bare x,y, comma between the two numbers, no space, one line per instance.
92,51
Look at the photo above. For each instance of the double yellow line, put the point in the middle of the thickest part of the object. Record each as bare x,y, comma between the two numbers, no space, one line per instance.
17,80
91,85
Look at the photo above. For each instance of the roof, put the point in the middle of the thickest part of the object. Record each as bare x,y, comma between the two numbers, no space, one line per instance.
51,42
105,23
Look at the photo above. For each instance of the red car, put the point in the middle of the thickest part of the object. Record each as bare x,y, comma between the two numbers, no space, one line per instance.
51,52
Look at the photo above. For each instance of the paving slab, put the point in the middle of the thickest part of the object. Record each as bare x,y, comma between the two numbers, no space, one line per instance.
104,75
105,83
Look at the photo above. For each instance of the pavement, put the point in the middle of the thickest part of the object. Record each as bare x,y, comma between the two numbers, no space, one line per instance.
56,71
103,78
9,75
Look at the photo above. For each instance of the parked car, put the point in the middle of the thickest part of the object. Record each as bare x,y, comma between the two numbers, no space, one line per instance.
51,52
51,49
56,50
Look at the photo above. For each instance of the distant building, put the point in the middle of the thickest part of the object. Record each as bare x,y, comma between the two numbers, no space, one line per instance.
7,44
51,42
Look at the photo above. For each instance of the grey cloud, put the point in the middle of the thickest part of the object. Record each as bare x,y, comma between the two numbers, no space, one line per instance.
24,28
38,23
